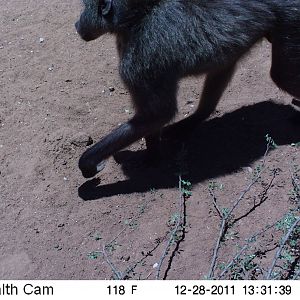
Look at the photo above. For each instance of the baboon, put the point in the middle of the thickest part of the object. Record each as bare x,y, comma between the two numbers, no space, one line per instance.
161,41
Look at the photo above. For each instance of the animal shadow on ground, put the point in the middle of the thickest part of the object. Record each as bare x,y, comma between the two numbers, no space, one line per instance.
213,148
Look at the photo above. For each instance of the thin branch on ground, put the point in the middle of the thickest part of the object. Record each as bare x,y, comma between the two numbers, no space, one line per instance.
244,248
225,216
117,273
262,196
174,231
215,203
130,269
253,181
217,247
296,185
147,277
279,251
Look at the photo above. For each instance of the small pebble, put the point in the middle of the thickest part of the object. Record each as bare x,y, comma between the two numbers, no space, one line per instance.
249,169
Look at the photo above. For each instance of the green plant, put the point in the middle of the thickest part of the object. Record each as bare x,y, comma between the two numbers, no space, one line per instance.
270,141
286,222
186,187
94,254
112,246
132,223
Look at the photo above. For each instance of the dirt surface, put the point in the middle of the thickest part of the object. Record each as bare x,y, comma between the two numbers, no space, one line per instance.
59,93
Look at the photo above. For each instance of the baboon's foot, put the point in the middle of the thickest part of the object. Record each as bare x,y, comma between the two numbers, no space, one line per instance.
90,169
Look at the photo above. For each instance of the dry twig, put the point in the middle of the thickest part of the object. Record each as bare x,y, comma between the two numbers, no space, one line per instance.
118,274
174,231
278,252
225,216
244,248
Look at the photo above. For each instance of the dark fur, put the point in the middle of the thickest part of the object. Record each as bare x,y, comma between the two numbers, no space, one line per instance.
161,41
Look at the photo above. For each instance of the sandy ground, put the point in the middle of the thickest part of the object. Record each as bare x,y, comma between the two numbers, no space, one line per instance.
55,99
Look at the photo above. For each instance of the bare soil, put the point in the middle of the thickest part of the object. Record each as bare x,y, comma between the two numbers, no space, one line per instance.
56,98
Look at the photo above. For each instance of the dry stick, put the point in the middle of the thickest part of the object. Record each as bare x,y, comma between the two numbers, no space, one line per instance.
147,277
278,252
296,185
216,249
130,269
254,180
222,230
215,203
179,221
233,261
226,216
116,272
262,197
244,248
224,223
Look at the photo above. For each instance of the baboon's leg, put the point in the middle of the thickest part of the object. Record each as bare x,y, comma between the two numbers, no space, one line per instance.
214,86
152,144
121,137
285,70
286,75
154,110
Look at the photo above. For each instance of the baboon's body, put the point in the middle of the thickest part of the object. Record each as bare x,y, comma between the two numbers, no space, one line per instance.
161,41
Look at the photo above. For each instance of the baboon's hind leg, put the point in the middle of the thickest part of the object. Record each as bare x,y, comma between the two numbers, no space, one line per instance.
214,87
285,70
